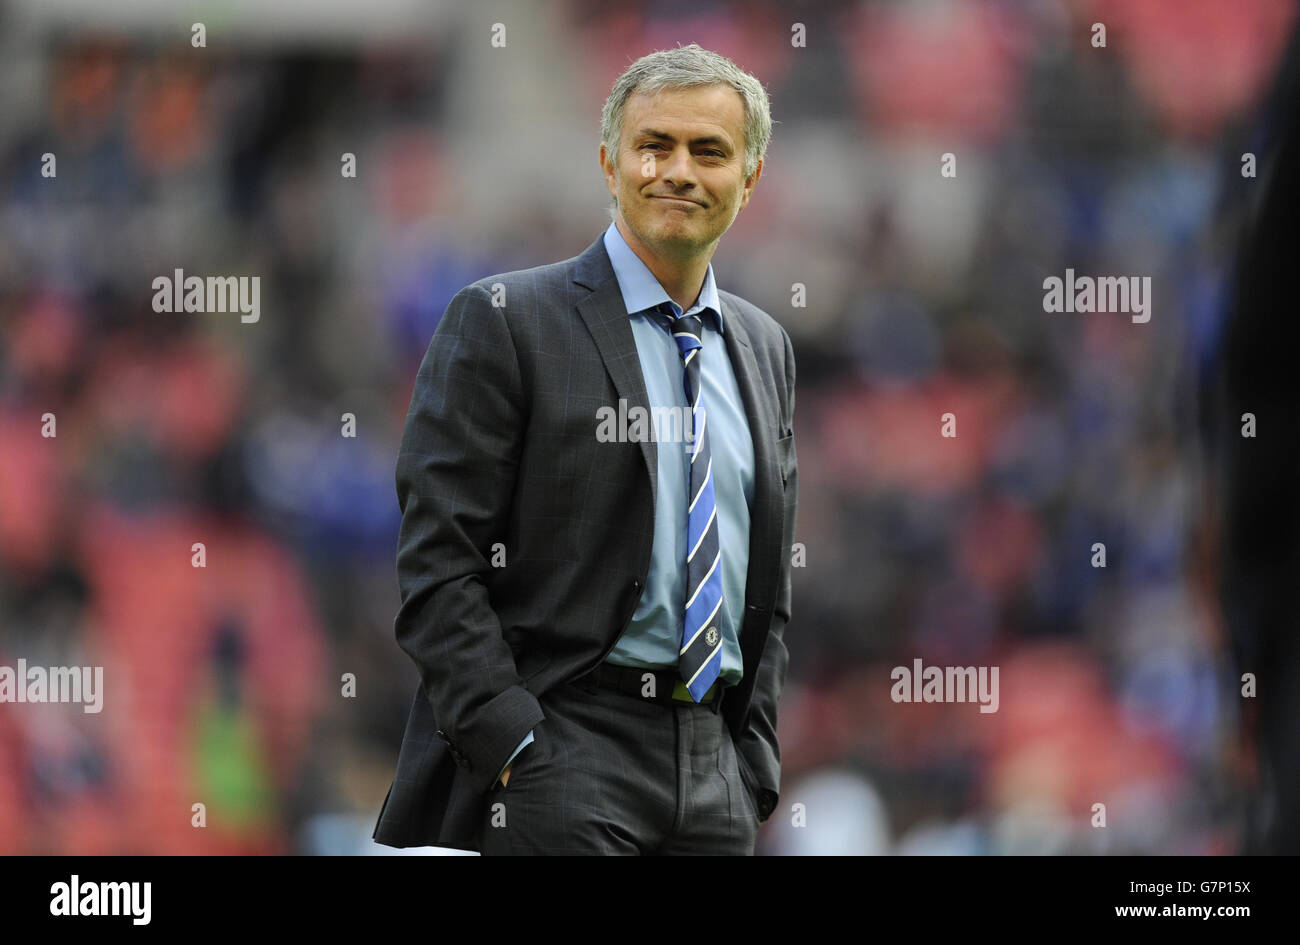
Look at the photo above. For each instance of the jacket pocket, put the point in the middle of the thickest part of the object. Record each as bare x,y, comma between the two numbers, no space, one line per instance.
523,764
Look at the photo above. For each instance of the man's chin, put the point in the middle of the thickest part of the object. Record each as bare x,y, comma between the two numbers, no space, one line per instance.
674,240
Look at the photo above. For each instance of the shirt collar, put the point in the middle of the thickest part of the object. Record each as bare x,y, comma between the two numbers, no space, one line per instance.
641,290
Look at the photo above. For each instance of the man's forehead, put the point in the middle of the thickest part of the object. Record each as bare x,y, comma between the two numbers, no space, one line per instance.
718,106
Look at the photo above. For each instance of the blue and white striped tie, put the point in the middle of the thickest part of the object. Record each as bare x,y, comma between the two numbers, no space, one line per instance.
700,658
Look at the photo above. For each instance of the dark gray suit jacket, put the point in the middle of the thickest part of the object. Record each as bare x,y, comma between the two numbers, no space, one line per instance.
500,447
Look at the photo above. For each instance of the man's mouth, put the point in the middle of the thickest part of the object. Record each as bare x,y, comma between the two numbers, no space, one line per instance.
681,200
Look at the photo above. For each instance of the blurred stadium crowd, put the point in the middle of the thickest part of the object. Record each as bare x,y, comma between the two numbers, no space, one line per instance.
224,684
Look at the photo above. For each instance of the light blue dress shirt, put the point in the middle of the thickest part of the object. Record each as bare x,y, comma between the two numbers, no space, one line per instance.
653,637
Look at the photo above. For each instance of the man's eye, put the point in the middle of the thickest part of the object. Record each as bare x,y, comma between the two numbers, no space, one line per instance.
650,144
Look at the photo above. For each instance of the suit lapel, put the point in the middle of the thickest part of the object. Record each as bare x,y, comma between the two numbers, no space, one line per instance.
607,320
767,514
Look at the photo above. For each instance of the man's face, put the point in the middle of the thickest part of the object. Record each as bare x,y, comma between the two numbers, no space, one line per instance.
680,176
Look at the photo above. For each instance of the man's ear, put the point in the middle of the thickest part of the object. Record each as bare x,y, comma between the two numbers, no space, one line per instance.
750,183
608,168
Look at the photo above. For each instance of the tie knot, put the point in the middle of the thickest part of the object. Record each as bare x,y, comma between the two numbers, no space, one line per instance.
690,324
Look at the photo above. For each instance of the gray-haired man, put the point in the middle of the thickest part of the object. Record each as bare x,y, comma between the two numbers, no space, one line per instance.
613,688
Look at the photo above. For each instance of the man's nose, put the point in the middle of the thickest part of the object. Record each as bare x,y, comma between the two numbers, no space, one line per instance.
678,169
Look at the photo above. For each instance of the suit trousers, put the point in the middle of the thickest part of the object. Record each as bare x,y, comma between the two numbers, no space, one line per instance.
611,773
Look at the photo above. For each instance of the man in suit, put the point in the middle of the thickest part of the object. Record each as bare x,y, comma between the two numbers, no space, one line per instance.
597,609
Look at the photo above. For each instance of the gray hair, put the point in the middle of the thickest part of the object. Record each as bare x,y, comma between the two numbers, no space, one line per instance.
688,67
